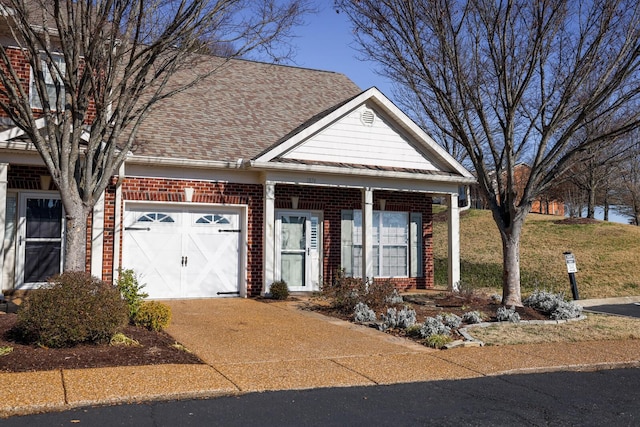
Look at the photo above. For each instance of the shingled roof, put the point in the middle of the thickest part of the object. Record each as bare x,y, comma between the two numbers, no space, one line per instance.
240,111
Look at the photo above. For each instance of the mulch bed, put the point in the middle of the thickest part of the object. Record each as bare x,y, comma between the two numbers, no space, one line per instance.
432,304
156,348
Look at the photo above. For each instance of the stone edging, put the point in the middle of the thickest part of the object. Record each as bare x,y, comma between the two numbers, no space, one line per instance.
468,338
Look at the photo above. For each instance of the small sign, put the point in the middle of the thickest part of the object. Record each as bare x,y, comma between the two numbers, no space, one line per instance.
570,259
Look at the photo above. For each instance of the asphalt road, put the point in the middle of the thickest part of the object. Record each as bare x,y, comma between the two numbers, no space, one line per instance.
609,397
632,309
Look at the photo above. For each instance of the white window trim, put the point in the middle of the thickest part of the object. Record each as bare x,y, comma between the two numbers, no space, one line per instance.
357,242
34,99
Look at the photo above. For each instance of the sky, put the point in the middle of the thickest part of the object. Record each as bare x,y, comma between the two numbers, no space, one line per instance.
326,42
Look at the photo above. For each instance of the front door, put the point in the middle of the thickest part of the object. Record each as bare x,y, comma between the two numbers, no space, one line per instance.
40,237
298,256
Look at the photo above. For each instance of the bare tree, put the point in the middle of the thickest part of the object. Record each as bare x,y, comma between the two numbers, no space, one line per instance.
511,81
99,66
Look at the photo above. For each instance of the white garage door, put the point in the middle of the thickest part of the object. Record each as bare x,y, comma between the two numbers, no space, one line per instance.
183,254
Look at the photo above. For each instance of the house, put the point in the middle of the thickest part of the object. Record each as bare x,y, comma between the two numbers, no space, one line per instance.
548,203
260,173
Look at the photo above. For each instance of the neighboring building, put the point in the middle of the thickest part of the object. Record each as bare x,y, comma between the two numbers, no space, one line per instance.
260,173
548,204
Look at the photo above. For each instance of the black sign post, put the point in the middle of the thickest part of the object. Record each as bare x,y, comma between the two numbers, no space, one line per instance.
572,269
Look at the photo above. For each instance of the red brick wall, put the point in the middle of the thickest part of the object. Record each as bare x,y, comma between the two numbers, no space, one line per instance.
23,70
332,201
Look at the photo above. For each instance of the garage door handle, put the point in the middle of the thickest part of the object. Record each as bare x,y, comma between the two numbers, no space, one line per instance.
137,229
230,231
184,261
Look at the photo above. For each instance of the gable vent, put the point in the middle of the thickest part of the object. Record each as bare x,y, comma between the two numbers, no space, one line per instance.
367,117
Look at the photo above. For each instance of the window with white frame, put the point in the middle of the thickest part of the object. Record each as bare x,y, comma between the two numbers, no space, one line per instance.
50,80
396,243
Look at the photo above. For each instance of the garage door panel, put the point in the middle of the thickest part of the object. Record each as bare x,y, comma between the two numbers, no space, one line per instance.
155,257
184,254
213,264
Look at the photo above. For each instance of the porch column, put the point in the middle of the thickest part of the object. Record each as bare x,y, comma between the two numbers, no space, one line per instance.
117,225
4,167
97,238
367,233
454,242
269,254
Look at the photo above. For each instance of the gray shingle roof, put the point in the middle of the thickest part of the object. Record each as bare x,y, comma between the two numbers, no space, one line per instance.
240,111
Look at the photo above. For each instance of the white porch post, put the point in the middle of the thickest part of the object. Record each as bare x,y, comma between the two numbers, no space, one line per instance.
4,167
367,233
269,235
97,238
117,224
454,242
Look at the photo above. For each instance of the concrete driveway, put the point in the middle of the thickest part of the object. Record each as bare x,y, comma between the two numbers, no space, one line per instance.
274,346
260,346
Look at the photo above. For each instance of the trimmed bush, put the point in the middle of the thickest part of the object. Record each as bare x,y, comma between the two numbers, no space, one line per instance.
451,320
153,315
553,305
504,314
472,317
74,308
363,314
130,290
279,290
434,326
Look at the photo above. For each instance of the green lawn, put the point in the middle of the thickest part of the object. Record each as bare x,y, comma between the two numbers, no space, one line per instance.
607,255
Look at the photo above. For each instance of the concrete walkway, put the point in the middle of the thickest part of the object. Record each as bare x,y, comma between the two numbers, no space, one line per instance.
248,346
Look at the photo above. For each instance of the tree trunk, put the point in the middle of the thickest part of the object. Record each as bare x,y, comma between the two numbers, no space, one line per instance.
591,203
511,270
75,249
510,226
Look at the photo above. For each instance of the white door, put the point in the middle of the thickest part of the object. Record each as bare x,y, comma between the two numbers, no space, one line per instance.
40,237
298,256
183,254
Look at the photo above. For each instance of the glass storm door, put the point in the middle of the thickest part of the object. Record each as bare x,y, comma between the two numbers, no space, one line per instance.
293,250
299,250
40,239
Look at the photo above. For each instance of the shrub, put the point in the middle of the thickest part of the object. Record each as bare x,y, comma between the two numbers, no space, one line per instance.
363,314
438,340
153,315
504,314
471,317
406,318
389,320
378,294
395,298
414,331
451,320
344,292
434,326
130,290
74,308
553,305
279,290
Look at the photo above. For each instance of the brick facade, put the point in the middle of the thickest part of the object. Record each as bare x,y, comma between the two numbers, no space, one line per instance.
333,201
329,201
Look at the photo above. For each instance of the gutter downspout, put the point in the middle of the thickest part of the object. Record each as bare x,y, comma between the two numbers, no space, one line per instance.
468,205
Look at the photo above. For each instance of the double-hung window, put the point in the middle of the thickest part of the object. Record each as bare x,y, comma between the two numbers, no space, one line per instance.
396,239
50,78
